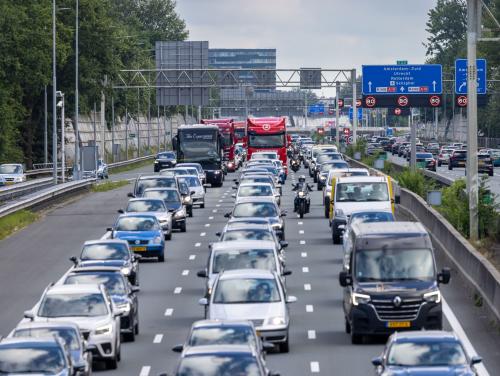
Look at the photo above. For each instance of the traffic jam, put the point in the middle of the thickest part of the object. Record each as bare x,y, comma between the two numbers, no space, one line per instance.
264,185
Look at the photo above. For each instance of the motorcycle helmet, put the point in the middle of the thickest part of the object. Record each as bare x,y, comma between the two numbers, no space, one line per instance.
302,179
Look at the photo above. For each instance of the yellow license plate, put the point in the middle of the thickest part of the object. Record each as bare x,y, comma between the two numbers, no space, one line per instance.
398,324
139,249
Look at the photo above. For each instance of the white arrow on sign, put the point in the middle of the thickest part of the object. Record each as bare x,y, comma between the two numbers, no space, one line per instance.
433,85
462,85
370,86
402,88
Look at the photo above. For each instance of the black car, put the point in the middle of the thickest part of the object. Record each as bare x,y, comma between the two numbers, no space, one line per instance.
167,159
173,201
485,163
458,158
110,252
124,295
427,161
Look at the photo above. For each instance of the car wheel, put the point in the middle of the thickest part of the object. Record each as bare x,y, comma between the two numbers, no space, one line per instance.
111,363
136,327
327,210
356,339
119,353
319,187
335,238
168,236
490,173
450,167
161,258
183,227
439,164
190,213
347,326
285,347
315,178
130,337
202,206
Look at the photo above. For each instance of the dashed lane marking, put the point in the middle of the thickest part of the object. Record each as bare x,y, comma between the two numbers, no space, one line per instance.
214,211
307,287
315,367
203,234
309,308
311,334
192,257
158,338
300,223
302,242
169,312
303,254
305,269
145,370
177,290
185,272
301,232
210,218
207,224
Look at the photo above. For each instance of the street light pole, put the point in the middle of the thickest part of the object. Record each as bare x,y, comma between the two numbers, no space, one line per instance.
76,168
354,108
54,97
337,110
45,135
63,143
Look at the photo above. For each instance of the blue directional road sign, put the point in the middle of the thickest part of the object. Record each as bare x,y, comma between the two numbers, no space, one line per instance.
317,108
360,113
402,79
461,76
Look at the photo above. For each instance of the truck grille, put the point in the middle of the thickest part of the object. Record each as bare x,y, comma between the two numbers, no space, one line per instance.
386,309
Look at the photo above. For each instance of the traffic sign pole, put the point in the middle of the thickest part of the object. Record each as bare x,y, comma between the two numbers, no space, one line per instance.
473,7
413,140
354,109
337,130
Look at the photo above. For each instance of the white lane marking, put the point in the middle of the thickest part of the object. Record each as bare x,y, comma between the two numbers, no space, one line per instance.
210,218
158,338
300,223
307,287
185,272
298,216
311,334
302,242
177,290
214,211
145,371
305,269
315,367
169,311
197,244
217,206
457,328
309,308
207,224
203,234
192,257
303,254
220,200
301,231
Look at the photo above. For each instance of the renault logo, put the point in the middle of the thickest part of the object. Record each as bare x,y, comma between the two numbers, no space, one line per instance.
397,301
137,242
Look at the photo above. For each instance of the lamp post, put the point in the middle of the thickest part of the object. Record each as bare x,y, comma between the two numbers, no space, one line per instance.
60,104
76,168
54,98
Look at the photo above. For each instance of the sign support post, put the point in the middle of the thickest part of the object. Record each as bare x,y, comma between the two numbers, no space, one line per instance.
354,109
337,128
413,140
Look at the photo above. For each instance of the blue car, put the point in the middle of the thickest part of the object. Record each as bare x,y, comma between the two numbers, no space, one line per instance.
426,353
142,232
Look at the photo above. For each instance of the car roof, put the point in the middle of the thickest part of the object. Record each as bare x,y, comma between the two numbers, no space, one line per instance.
90,269
236,226
243,244
144,177
396,228
220,323
256,199
247,273
248,219
362,179
371,211
74,289
135,214
254,176
145,199
187,176
218,350
47,324
105,241
160,189
425,335
19,342
255,184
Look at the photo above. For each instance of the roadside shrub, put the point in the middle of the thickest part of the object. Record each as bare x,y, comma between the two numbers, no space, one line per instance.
414,181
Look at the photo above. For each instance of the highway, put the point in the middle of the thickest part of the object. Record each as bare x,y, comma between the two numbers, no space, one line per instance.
169,295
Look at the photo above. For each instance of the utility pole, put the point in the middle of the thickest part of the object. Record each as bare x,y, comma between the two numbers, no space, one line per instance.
95,140
158,125
126,133
63,141
76,168
113,129
103,123
305,109
354,108
413,140
45,135
473,26
54,96
337,110
436,116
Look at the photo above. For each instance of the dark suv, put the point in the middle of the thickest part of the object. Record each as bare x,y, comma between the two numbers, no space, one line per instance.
458,158
485,163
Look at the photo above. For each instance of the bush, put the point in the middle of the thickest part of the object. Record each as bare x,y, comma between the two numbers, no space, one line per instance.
415,181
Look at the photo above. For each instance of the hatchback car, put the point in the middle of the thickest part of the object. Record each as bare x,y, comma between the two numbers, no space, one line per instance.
458,158
91,308
201,173
444,156
152,181
143,234
196,188
425,353
163,160
256,295
173,200
250,231
153,206
427,161
257,190
12,173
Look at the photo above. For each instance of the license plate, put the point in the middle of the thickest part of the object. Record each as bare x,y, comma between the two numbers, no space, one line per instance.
139,249
398,324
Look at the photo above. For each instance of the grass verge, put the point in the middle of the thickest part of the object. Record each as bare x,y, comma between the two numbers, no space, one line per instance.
15,222
109,185
133,166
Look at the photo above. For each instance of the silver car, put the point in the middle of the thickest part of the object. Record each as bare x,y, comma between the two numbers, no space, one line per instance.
154,206
12,173
91,308
196,189
256,295
257,190
201,173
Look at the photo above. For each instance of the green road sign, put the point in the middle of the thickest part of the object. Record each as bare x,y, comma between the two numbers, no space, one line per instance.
131,135
402,62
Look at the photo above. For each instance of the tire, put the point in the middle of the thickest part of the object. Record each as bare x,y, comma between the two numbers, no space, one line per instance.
319,186
347,326
168,236
315,178
190,213
439,164
119,354
285,347
161,258
136,328
356,339
302,209
327,210
130,337
450,166
490,173
335,238
111,363
183,227
202,206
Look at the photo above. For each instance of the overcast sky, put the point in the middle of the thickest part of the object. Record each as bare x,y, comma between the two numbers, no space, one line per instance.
314,33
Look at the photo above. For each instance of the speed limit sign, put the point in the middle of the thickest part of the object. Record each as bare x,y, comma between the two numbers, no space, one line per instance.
435,101
403,101
370,101
462,100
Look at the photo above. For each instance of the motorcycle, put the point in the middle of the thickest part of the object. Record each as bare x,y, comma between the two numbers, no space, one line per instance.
295,165
302,200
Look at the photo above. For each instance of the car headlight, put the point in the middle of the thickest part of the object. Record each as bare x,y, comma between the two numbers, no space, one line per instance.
18,179
187,199
301,194
156,162
179,213
322,177
156,240
126,271
276,226
433,296
217,172
360,298
103,330
339,213
125,308
278,320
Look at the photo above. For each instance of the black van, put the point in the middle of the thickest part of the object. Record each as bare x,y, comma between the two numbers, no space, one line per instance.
391,282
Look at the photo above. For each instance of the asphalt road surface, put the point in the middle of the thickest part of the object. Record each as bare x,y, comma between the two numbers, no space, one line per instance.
169,295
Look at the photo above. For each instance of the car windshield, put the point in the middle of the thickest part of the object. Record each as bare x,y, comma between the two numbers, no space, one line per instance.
266,141
387,265
264,156
333,165
40,360
255,209
424,155
10,169
68,335
362,192
322,158
246,290
70,305
250,234
155,183
236,335
191,181
316,152
167,195
110,251
166,155
136,224
146,206
371,217
112,281
244,259
426,354
219,365
261,179
256,190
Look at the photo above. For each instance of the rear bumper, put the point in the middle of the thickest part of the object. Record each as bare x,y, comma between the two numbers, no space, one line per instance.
214,176
151,250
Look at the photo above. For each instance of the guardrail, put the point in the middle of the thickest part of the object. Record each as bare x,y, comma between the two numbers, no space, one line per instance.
129,161
21,189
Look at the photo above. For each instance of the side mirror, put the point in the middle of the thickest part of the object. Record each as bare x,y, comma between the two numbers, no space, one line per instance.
110,229
135,289
90,348
272,373
131,195
202,274
192,192
29,315
227,215
178,348
203,301
475,360
121,211
171,210
291,299
283,244
218,233
345,279
78,369
377,361
283,214
287,272
74,260
165,374
444,276
118,313
233,195
234,187
267,346
137,257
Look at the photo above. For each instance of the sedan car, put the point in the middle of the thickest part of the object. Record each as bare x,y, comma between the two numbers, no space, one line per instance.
252,179
458,158
36,356
152,181
257,190
485,164
109,252
166,159
80,353
201,173
256,295
444,156
196,189
12,173
173,200
236,230
425,353
325,168
427,161
91,308
143,234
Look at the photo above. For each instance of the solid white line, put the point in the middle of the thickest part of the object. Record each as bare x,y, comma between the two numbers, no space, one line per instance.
203,234
177,290
302,242
158,338
315,367
307,287
457,328
192,257
197,244
301,231
309,308
311,334
169,311
145,371
185,272
305,269
303,254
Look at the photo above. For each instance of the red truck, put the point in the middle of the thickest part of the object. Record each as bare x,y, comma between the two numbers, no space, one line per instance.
267,134
240,131
226,130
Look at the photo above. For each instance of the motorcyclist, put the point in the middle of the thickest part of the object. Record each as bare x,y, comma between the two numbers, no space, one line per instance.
298,187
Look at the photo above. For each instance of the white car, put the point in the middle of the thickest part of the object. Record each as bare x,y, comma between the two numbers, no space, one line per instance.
265,155
12,173
196,188
257,190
